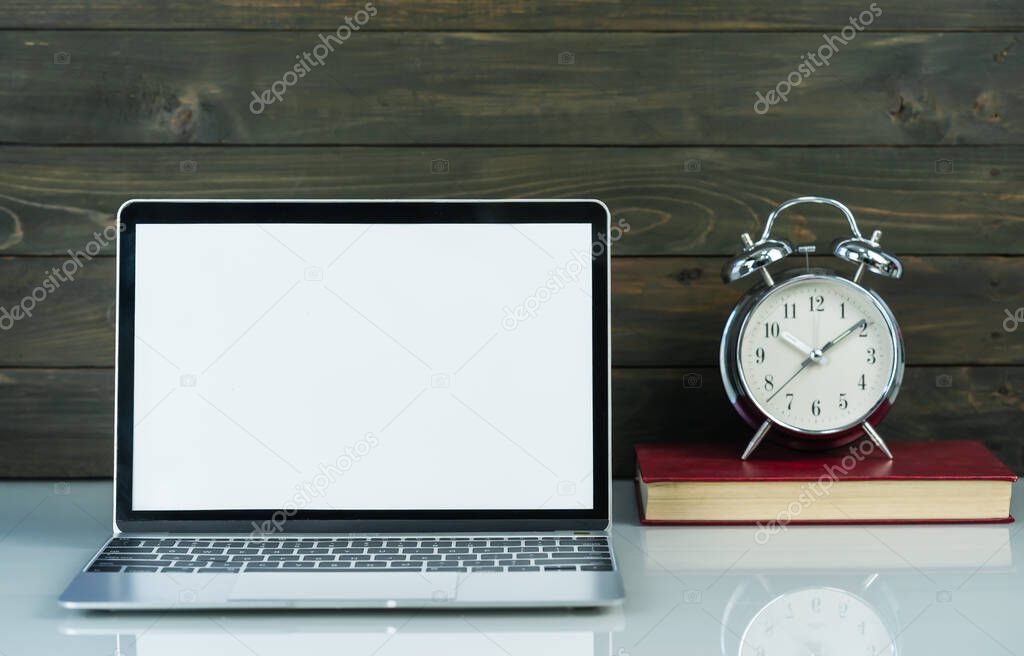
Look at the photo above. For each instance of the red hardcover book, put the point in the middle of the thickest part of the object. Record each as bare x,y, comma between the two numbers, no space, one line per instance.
934,481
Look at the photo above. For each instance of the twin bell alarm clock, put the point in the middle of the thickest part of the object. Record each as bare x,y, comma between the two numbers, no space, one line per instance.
810,357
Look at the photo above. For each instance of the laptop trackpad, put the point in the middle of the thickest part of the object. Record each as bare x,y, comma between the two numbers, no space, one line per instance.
345,586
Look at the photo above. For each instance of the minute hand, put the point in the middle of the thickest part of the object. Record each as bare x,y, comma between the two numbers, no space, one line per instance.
815,355
843,335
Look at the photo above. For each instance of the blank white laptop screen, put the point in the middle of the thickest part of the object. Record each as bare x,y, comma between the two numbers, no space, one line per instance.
362,367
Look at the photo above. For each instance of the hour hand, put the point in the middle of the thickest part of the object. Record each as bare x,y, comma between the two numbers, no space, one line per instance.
803,348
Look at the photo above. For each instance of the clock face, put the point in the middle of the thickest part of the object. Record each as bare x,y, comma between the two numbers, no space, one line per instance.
817,621
817,354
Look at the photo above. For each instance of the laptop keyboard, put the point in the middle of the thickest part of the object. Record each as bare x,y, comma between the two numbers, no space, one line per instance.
379,554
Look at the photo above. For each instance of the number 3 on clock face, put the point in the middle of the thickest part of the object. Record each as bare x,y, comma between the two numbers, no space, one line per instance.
818,354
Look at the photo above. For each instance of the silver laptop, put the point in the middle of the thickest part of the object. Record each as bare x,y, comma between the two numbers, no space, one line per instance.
359,404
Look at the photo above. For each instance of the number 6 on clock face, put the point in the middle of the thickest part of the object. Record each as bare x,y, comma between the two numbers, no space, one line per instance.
815,354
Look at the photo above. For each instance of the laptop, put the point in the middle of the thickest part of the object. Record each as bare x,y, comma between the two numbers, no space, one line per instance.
359,404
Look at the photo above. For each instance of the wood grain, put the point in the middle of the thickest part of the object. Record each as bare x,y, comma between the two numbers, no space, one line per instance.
648,105
677,201
73,325
58,423
603,15
123,87
666,312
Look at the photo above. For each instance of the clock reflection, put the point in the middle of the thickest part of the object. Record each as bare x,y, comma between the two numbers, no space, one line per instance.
817,622
813,591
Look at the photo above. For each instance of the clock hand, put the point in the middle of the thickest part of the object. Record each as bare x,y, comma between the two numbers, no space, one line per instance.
800,346
803,365
843,335
818,354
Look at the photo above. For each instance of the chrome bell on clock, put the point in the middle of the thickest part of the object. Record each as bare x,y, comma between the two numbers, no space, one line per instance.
756,257
866,254
859,370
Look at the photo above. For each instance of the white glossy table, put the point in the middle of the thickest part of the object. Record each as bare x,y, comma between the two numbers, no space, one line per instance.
807,591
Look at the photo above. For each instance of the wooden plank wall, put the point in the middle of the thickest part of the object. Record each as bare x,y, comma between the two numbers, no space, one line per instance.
916,123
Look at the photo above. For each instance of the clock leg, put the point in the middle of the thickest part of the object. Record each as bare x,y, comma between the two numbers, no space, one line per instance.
877,439
756,440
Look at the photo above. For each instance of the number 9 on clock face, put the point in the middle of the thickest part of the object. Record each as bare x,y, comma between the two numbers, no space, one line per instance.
818,354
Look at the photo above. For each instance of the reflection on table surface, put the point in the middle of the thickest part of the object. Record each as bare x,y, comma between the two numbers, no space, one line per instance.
562,632
879,590
882,590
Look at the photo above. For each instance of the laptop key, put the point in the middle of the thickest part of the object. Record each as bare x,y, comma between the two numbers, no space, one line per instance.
125,542
254,566
568,568
371,564
141,569
217,568
446,569
172,550
248,552
334,564
207,551
125,563
318,557
104,568
177,569
487,569
596,568
298,564
524,568
406,564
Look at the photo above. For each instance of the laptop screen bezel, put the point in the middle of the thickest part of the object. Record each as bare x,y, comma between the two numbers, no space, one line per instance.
137,212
